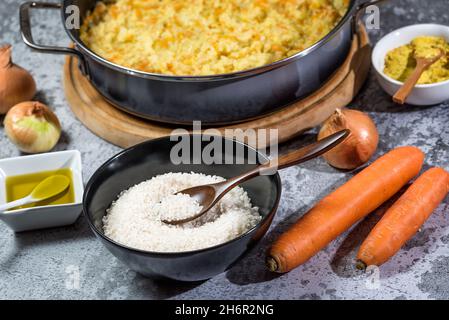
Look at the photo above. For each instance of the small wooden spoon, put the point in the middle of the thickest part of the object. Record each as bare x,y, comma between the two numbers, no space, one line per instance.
422,64
208,195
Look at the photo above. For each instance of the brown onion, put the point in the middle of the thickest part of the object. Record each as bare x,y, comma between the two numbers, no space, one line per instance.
32,127
358,147
16,84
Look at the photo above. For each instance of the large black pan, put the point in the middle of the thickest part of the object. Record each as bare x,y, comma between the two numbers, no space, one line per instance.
216,99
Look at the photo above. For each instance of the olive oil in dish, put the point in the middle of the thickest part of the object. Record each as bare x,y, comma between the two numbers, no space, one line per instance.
20,186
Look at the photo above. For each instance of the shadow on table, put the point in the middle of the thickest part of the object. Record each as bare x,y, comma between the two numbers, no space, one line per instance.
252,269
22,240
343,262
78,230
162,288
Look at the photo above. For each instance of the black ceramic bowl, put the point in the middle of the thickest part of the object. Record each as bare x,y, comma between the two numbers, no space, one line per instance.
152,158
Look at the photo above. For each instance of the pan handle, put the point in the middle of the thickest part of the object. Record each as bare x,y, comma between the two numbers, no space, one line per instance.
364,4
27,36
361,5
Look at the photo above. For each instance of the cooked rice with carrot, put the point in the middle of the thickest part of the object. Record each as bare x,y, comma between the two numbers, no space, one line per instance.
205,37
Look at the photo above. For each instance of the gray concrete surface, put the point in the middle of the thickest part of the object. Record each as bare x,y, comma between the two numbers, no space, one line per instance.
42,264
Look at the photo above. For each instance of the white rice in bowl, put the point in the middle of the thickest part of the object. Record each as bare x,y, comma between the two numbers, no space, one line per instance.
134,218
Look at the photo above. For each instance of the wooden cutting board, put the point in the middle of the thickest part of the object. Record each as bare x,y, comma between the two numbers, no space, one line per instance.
125,130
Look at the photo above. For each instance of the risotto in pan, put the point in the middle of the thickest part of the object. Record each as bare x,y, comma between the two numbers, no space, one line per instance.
206,37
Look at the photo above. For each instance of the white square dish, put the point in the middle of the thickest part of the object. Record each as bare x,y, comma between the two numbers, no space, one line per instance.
43,216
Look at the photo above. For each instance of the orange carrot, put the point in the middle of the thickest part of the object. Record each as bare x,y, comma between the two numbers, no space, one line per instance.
338,211
404,218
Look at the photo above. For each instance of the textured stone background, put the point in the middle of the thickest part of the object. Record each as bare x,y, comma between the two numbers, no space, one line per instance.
35,264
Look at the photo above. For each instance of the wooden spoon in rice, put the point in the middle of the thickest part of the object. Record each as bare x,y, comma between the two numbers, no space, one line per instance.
422,64
200,199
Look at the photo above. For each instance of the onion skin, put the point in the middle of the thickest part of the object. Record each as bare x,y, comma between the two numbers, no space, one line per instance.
16,84
358,147
32,127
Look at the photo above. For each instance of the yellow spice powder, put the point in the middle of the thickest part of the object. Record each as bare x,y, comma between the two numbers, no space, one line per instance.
401,62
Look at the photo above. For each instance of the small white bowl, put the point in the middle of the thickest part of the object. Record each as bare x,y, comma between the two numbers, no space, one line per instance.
44,216
423,94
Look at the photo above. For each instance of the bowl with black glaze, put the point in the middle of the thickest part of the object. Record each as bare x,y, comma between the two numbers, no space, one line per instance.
152,158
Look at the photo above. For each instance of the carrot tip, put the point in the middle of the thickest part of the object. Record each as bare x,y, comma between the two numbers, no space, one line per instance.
360,265
271,264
